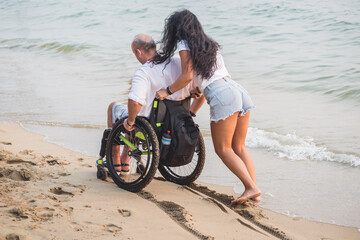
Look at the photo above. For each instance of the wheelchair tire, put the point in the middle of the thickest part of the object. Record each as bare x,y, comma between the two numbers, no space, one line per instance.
144,157
188,173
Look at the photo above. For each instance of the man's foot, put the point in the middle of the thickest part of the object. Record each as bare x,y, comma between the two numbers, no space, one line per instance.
125,167
125,159
247,194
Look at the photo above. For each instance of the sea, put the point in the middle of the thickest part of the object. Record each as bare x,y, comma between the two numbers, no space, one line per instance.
62,62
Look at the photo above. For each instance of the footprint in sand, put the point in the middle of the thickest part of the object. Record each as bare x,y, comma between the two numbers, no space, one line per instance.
77,227
80,187
64,174
18,213
32,203
87,165
124,212
4,154
45,215
60,191
6,143
17,175
112,228
17,160
12,236
52,162
26,152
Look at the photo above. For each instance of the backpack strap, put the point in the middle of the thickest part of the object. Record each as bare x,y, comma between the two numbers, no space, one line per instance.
157,116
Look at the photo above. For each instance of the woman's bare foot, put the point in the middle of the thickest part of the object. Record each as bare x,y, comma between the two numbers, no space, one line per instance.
256,199
247,194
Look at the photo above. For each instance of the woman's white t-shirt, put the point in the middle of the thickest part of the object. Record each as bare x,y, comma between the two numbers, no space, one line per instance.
219,73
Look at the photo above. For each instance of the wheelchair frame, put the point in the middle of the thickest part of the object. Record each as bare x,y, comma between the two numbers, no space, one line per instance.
144,149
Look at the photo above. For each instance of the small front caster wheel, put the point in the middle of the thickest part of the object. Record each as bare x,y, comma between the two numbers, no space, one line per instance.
101,173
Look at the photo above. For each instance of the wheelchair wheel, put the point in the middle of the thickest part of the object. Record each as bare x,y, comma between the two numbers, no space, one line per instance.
188,173
101,173
142,146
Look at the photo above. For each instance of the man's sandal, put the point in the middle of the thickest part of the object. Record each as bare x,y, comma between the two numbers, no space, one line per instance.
118,167
126,165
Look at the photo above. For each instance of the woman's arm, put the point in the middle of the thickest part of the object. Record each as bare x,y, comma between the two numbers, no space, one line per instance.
196,104
187,74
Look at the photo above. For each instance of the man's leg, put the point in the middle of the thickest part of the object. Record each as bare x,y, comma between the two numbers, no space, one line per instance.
118,111
115,149
110,115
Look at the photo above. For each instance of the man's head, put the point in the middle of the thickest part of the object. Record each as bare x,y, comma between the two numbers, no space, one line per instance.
143,47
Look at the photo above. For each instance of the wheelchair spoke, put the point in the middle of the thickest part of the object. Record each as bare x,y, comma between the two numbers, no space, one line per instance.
117,140
139,149
190,172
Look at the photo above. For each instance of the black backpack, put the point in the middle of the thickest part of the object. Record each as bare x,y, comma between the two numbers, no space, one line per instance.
174,116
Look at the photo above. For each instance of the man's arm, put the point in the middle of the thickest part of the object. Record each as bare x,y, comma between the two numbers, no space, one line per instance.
133,109
137,97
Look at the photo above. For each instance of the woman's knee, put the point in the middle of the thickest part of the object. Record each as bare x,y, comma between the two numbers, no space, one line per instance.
239,148
222,150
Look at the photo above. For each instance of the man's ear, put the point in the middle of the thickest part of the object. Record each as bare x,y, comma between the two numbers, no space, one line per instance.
138,51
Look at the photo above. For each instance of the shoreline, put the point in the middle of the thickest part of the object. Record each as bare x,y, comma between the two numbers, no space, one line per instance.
277,177
46,183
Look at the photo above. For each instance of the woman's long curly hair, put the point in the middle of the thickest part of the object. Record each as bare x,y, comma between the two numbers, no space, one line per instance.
184,25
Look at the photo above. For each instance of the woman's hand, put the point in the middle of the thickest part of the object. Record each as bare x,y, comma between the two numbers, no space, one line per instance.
195,93
128,126
161,94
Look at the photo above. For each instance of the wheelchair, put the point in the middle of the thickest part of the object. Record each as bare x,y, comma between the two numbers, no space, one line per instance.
143,145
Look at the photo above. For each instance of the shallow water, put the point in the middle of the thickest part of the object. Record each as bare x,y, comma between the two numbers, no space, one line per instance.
62,63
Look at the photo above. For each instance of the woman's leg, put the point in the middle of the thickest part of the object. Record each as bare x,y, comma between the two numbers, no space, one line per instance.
238,145
222,133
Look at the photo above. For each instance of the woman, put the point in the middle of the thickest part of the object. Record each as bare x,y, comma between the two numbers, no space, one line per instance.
229,102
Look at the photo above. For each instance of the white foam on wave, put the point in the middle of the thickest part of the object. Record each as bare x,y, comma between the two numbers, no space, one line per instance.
294,147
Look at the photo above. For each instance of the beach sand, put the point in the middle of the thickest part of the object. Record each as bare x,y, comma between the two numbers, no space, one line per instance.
49,192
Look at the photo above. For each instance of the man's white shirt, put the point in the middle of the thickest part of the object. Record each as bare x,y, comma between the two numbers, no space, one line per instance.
150,77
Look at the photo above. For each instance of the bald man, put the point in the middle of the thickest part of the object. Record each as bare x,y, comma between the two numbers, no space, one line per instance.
146,81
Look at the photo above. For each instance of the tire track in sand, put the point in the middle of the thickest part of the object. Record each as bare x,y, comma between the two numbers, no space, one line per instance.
226,200
175,212
222,208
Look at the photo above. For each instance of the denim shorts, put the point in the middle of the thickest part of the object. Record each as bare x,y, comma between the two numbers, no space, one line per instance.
226,97
119,111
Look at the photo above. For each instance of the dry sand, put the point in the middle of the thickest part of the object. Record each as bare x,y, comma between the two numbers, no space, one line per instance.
48,192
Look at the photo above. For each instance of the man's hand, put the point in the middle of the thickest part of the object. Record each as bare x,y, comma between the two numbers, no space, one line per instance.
127,126
161,94
195,93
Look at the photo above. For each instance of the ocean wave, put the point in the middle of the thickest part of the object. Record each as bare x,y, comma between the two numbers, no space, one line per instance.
348,92
293,147
67,125
37,44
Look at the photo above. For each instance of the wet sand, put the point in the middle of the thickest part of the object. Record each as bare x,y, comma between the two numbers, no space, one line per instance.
49,192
